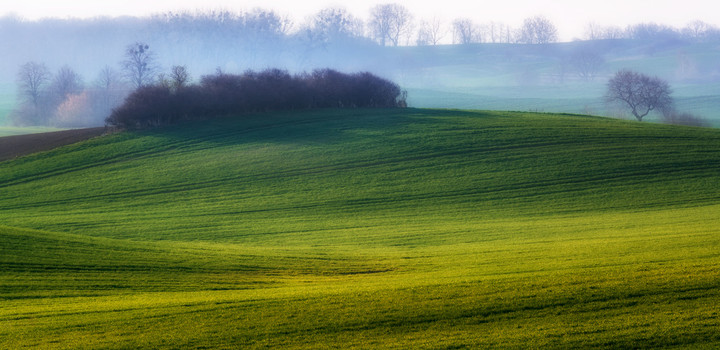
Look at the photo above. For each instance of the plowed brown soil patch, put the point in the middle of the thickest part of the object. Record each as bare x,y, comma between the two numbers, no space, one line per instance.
21,145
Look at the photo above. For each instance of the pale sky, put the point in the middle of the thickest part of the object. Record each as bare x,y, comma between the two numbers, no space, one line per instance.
570,16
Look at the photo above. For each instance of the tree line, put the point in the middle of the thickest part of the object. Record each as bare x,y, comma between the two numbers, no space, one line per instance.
389,24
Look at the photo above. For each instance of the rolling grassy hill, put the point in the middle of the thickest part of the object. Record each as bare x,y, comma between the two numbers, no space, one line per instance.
367,228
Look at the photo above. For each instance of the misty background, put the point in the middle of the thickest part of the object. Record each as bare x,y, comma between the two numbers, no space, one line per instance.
457,63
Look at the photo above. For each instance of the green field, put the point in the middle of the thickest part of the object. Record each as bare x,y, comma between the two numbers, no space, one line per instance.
367,229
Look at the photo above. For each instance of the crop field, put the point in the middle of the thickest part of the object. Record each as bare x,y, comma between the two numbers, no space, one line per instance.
406,228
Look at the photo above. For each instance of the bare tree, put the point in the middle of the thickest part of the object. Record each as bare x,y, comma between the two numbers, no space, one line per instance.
139,65
31,80
109,91
390,22
538,30
698,31
66,83
510,35
465,31
431,32
179,76
613,32
587,63
498,33
641,93
267,24
652,32
594,31
333,24
107,79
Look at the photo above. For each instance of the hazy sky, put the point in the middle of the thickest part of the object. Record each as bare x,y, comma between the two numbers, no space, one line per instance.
570,16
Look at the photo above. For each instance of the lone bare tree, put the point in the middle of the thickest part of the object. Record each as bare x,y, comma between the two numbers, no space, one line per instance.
180,77
699,31
139,65
587,63
108,79
31,80
109,90
66,83
390,22
641,93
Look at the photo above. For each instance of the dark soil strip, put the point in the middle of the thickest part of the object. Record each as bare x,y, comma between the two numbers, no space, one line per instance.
21,145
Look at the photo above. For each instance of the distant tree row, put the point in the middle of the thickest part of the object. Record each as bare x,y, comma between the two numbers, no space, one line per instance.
332,37
696,31
535,30
389,24
172,100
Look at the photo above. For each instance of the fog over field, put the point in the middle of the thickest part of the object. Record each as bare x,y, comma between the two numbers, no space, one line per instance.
448,63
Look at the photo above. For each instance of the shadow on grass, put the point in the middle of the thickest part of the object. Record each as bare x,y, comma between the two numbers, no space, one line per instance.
328,126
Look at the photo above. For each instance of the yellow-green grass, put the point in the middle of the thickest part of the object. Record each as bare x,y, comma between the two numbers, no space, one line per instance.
367,229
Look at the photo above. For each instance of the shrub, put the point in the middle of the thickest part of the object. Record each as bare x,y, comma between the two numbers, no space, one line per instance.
684,118
147,106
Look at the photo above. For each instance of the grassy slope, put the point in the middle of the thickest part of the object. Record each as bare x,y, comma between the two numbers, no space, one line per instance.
413,228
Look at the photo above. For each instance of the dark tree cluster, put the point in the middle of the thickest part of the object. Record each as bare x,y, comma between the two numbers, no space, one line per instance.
224,94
